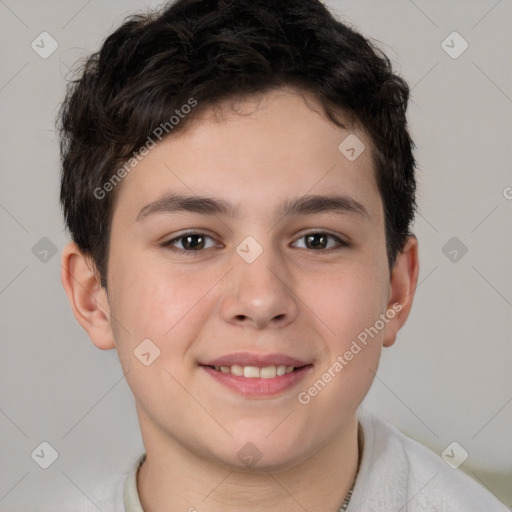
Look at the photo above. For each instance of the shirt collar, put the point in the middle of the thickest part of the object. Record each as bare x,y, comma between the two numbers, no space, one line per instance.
131,494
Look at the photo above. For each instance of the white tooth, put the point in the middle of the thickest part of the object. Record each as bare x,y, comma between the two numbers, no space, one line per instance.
252,372
217,368
237,370
281,370
268,372
225,369
289,369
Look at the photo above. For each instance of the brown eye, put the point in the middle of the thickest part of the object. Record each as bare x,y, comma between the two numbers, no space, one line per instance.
320,240
193,242
189,242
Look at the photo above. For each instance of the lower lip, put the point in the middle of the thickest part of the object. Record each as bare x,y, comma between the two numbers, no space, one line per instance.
259,387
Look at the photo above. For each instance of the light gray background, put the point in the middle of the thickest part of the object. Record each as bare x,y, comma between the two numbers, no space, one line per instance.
448,376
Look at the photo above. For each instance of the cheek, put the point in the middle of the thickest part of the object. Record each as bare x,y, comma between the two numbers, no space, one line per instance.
348,301
153,305
351,307
160,304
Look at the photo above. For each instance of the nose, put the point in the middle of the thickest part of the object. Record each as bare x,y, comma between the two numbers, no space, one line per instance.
260,294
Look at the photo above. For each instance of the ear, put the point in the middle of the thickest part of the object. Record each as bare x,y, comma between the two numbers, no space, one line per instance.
88,298
403,282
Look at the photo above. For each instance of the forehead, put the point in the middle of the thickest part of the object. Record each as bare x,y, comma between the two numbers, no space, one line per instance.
254,152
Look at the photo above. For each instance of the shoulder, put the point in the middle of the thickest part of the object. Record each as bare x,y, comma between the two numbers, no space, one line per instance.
399,473
108,497
119,492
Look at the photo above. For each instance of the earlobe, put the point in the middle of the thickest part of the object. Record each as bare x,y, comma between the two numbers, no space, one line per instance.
87,297
404,280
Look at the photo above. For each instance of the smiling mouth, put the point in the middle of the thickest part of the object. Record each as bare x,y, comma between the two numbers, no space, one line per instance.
256,372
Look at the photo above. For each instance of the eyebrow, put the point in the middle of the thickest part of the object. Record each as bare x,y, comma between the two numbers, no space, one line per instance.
304,205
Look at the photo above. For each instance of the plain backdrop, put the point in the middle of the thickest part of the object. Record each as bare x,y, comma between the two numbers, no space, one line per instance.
448,377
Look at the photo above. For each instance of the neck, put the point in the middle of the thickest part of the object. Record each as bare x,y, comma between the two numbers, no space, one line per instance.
175,478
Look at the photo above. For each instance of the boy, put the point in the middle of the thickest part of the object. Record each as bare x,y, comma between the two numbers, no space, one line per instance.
238,181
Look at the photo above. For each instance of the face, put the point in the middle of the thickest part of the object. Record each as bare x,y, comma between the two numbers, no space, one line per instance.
253,296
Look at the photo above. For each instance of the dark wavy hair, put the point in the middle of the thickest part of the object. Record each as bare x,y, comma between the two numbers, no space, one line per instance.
215,50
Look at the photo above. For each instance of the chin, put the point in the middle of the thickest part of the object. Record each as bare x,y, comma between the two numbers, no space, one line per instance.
263,454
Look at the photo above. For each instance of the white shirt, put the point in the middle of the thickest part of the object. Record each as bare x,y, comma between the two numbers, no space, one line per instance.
397,474
400,474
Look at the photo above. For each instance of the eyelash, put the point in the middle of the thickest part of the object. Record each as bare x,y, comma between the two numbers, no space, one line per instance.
169,244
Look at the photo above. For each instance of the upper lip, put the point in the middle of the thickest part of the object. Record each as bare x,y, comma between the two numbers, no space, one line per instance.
252,359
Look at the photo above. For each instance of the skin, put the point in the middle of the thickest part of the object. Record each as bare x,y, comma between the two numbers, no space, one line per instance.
293,299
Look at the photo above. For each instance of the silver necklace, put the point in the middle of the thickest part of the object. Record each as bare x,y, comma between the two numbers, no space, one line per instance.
346,501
